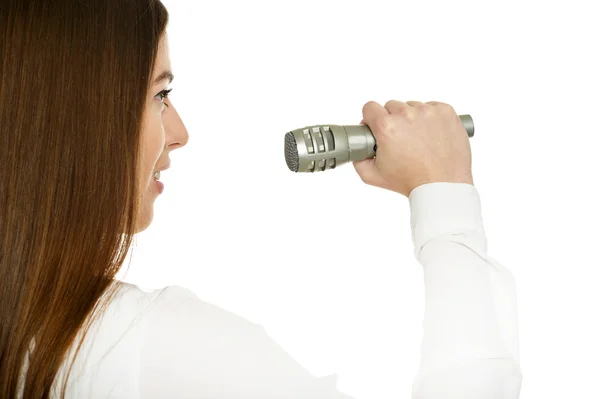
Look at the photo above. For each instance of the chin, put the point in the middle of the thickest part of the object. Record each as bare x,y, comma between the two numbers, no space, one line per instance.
145,221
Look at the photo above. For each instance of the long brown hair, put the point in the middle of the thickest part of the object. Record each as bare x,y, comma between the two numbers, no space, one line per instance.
74,76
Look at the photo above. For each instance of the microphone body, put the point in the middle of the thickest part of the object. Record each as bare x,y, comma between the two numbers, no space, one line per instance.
323,147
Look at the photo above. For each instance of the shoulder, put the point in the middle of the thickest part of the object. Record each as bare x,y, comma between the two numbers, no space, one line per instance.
176,309
118,317
218,354
110,350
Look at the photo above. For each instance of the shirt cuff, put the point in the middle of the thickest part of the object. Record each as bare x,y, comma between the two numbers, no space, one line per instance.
445,208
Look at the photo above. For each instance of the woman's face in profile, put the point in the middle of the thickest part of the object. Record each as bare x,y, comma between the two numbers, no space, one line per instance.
162,132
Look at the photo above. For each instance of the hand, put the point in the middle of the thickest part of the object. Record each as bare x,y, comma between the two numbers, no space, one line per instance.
417,143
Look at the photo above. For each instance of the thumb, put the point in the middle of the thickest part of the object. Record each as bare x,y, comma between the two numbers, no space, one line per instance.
368,173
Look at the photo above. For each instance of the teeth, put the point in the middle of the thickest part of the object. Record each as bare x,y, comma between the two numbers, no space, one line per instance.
157,175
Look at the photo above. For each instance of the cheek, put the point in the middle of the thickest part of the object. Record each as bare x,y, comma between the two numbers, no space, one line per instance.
158,132
159,145
155,139
150,153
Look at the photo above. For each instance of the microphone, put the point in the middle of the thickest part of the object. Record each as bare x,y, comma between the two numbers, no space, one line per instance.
323,147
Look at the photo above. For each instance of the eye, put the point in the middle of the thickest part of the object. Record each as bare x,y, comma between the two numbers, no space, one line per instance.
163,94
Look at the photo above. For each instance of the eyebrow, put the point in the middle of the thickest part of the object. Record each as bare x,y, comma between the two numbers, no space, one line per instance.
164,75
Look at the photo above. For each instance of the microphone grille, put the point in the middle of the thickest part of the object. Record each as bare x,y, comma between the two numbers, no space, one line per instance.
291,152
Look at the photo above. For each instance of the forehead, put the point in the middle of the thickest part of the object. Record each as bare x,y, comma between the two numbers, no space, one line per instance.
163,60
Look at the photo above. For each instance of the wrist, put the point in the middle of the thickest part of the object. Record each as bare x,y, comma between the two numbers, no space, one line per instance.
445,208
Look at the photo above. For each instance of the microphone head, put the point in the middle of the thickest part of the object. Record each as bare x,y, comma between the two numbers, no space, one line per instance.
324,147
291,152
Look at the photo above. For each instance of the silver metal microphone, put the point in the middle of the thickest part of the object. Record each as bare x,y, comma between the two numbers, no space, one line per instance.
322,147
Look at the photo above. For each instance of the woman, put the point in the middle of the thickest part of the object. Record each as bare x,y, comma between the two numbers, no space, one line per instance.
85,123
82,123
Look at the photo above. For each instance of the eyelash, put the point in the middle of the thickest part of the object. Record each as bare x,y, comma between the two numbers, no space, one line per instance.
165,94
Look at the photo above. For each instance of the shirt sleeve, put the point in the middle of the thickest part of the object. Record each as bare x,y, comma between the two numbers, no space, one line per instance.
193,349
470,339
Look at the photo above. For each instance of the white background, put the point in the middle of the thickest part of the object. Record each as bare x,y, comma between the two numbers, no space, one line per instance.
324,261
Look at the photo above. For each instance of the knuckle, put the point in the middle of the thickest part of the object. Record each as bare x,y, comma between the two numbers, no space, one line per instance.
385,124
368,105
428,110
408,113
446,109
417,104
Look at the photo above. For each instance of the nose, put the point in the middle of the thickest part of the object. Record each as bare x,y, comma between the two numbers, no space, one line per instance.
176,133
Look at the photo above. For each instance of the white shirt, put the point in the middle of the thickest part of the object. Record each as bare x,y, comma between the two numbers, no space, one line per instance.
168,343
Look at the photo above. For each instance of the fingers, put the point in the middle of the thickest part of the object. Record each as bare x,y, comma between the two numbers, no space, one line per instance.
397,107
443,106
381,121
435,103
373,111
393,107
377,118
411,108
